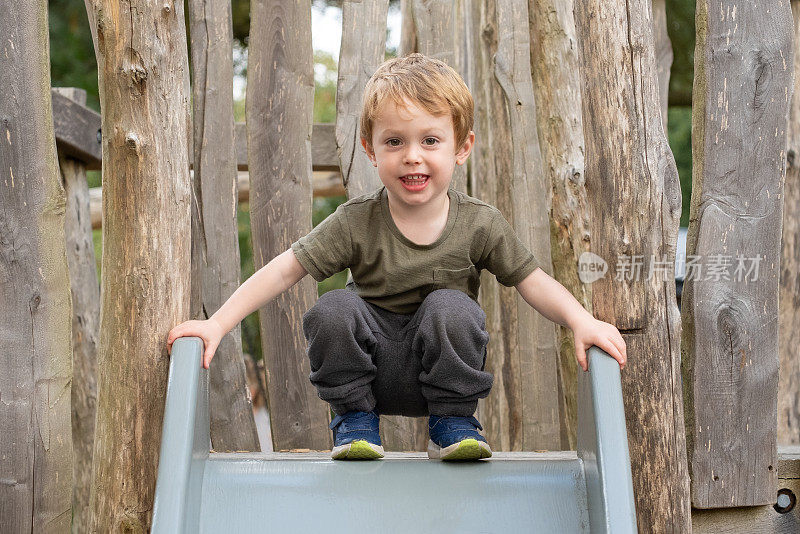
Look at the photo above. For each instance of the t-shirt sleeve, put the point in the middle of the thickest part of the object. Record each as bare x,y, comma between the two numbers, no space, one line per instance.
327,249
505,255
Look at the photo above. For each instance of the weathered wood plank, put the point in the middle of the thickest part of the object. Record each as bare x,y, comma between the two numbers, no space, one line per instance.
215,239
35,321
143,74
789,292
742,87
77,130
522,411
280,93
635,201
85,290
408,34
556,84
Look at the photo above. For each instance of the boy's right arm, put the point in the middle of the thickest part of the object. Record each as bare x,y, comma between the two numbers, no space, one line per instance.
271,280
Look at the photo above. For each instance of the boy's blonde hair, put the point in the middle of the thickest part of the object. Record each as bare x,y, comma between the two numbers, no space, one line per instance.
427,82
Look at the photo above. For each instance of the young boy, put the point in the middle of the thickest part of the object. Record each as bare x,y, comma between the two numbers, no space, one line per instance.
407,336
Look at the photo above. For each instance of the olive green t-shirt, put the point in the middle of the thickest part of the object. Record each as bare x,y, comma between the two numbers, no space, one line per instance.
391,271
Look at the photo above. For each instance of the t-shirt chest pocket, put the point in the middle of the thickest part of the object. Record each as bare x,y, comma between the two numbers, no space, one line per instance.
466,279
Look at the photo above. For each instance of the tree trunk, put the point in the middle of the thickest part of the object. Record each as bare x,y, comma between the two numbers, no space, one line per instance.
522,411
789,297
556,83
663,51
634,189
742,87
280,95
35,322
143,75
85,290
215,237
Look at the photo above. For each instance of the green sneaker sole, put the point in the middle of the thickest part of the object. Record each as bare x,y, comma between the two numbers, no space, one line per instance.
357,450
467,449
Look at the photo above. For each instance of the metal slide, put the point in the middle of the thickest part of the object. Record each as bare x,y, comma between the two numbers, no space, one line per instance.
559,492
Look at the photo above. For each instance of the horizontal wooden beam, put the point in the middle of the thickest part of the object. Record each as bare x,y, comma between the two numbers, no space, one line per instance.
326,184
77,130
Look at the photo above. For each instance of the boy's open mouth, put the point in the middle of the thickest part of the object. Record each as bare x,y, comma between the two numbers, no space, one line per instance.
415,182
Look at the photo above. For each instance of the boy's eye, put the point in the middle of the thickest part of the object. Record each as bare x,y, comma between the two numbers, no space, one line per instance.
393,142
432,139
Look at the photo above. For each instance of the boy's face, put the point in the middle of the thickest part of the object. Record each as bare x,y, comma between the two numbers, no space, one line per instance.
408,142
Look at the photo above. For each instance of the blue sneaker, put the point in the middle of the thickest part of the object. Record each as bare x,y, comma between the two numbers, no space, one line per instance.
356,436
456,438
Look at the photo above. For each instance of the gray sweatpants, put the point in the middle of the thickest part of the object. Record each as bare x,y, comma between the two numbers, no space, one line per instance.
430,362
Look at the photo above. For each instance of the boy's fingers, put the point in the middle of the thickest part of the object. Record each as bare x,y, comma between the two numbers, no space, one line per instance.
580,354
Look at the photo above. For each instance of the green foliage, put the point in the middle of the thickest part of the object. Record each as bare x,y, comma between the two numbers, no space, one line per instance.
72,61
680,27
679,128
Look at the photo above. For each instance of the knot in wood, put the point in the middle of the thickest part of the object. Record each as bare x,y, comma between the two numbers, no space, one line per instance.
167,9
790,157
36,299
132,142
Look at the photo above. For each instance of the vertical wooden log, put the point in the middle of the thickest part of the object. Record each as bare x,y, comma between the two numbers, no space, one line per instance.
143,75
215,242
363,49
634,192
280,95
85,291
789,296
522,411
556,84
35,321
742,87
663,50
408,34
436,33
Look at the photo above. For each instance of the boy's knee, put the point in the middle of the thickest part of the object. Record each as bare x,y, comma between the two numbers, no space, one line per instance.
332,307
452,304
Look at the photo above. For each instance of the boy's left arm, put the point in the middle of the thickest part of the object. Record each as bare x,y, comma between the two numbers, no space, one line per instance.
556,303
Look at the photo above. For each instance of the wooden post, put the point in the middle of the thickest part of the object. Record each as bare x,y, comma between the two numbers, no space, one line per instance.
742,87
408,34
789,297
280,94
35,321
522,412
363,49
556,84
635,200
143,75
663,50
85,290
215,238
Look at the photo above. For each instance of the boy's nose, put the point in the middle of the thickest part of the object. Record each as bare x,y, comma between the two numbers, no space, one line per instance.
412,155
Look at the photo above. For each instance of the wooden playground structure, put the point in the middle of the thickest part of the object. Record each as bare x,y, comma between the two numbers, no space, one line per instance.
570,119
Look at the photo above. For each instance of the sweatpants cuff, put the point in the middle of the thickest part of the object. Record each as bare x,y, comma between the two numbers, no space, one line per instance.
459,409
364,404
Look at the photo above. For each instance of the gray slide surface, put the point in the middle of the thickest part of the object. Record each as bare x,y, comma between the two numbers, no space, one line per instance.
560,492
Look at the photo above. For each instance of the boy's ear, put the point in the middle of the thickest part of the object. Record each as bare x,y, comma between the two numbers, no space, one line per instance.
466,149
370,152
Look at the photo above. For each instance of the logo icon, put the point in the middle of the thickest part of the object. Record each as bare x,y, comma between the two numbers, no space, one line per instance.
591,267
